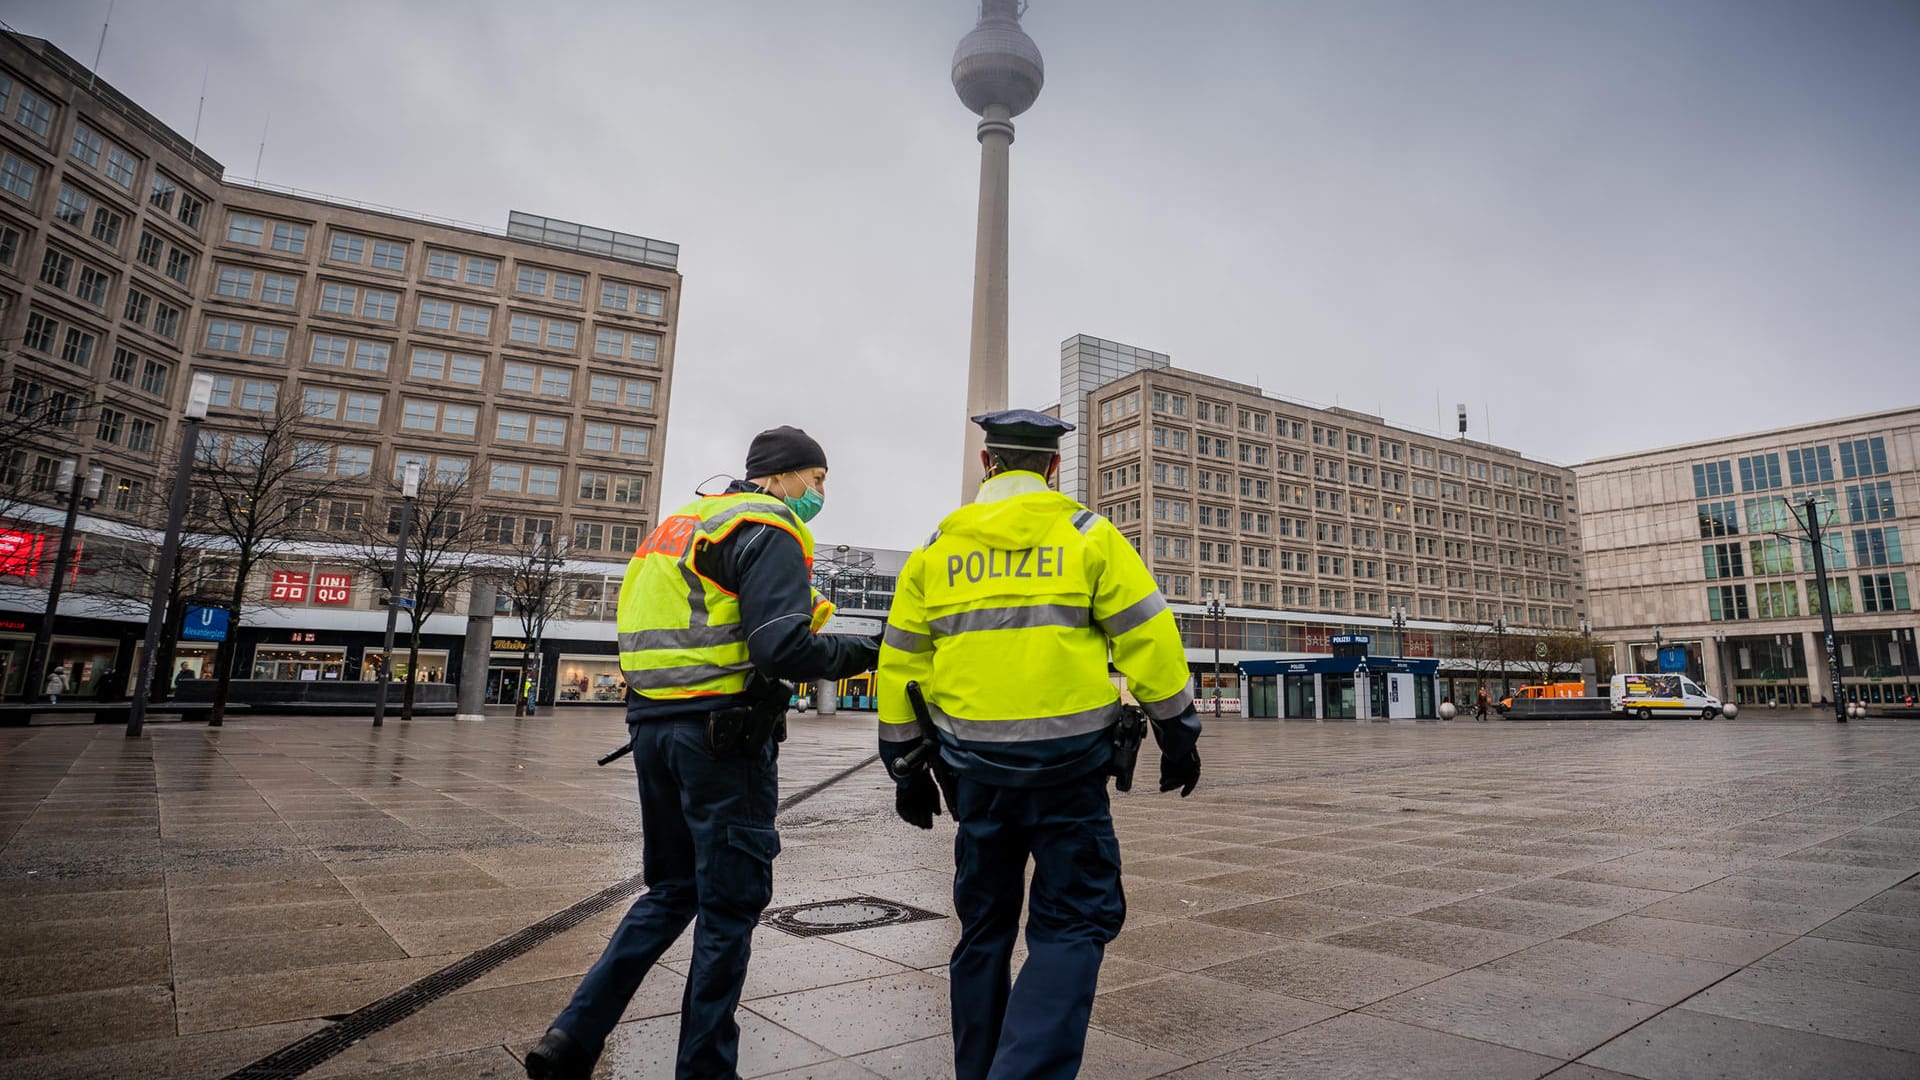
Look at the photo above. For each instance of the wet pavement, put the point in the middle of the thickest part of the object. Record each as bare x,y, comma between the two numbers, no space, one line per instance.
1580,900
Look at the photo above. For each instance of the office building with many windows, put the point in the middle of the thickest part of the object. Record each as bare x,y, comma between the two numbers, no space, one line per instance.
533,363
1309,523
1706,547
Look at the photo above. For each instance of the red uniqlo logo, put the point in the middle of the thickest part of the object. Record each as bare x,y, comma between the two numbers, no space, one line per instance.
333,589
288,587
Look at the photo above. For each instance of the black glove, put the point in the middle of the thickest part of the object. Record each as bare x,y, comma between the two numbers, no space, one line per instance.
857,654
1182,773
917,800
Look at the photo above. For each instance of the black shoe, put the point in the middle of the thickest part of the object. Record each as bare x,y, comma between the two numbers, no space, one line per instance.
557,1057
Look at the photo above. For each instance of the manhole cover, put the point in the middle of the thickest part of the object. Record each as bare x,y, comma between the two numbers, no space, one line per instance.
825,917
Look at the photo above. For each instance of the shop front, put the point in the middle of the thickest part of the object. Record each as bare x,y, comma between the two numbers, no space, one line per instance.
589,680
1344,688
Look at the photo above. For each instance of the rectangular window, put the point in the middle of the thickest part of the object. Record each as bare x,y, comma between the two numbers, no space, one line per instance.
604,389
120,167
419,415
525,328
389,256
1771,555
1884,592
1812,465
1723,561
190,211
631,490
589,535
512,427
624,537
1876,547
644,347
594,485
40,331
459,419
258,396
329,351
467,370
518,376
427,364
149,250
476,321
166,320
379,305
269,342
280,289
1727,603
291,239
347,248
17,176
125,363
634,441
86,145
556,382
1870,502
568,287
649,302
337,298
598,437
363,408
353,460
483,272
436,315
91,286
609,342
154,376
234,282
320,403
549,431
56,269
72,206
505,477
1863,457
372,356
562,334
543,480
245,229
224,336
444,265
1712,478
531,282
1760,472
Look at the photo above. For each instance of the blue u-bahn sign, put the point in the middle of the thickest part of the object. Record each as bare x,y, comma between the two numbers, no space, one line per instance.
204,624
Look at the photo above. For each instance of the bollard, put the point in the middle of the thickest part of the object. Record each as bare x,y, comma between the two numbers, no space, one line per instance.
1730,711
1447,711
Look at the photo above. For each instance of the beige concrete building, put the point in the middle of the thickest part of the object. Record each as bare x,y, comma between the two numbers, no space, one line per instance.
534,361
1698,547
1309,523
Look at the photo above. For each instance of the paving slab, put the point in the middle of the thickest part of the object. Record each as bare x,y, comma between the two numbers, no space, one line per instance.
1357,1046
1681,1044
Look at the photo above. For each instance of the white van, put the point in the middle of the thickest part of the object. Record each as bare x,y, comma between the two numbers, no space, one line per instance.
1647,696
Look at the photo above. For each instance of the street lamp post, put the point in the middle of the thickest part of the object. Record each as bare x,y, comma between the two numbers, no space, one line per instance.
1217,608
1586,639
80,491
198,399
549,558
1500,645
1399,617
409,490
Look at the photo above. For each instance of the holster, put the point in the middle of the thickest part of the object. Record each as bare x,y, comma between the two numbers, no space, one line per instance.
742,730
1127,737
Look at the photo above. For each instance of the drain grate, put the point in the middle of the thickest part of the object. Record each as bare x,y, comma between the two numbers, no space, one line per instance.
824,917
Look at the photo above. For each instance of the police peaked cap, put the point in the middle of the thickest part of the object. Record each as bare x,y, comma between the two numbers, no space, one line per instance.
1023,429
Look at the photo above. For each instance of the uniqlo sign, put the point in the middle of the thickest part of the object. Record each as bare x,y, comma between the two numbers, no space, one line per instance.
333,588
288,587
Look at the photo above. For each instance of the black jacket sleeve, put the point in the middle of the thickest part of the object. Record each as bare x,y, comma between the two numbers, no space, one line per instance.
765,567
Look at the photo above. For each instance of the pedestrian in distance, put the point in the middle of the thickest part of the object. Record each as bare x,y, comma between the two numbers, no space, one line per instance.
1482,703
715,609
1002,623
56,685
185,674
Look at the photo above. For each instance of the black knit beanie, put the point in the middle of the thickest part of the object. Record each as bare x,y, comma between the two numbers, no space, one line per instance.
783,449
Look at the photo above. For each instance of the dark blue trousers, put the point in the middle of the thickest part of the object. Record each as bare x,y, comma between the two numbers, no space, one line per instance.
1037,1027
708,847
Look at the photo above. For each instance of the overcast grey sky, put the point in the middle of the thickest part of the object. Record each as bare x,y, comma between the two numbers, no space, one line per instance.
1608,225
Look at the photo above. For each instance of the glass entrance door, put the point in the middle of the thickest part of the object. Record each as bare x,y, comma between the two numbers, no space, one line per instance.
1298,697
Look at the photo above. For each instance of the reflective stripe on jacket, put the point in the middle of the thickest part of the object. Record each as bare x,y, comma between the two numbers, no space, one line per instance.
1007,616
680,631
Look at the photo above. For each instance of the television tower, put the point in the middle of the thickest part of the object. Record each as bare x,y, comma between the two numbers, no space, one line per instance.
998,74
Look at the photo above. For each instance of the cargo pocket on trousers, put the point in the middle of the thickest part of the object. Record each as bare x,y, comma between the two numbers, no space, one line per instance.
747,866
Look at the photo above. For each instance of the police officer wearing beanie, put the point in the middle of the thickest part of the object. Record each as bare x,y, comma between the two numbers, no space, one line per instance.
1006,618
716,607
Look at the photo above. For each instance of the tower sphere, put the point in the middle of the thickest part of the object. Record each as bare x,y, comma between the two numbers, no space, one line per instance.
997,63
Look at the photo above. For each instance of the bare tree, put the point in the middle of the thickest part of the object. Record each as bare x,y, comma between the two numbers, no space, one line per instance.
440,556
536,587
257,486
40,423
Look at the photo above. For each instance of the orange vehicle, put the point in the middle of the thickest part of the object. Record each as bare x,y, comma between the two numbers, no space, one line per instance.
1550,690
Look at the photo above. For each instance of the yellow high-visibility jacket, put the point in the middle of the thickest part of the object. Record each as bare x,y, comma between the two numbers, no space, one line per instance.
1006,617
680,632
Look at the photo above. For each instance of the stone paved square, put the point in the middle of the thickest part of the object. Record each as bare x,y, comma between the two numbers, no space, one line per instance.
1594,899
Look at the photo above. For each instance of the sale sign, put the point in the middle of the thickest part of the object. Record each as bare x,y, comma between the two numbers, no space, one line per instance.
20,553
333,589
287,587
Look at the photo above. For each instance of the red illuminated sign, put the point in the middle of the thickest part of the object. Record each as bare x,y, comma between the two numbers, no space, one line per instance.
20,553
333,589
288,587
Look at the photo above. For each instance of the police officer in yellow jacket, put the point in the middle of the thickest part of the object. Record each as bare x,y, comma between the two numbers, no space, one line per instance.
715,608
1006,617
